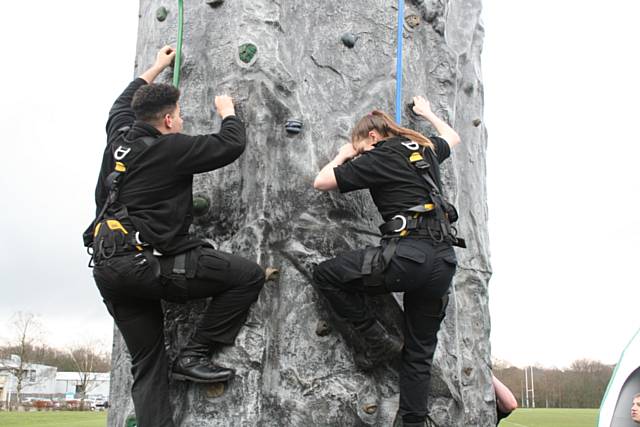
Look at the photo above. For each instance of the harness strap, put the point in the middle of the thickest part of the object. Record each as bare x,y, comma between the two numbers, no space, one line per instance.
179,264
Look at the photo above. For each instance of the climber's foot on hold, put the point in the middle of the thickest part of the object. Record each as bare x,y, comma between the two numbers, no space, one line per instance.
200,369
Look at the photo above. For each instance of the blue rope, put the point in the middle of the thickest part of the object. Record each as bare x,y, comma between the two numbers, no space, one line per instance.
399,62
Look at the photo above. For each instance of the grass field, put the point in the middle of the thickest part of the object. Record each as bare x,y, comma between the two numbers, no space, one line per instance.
551,418
520,418
53,419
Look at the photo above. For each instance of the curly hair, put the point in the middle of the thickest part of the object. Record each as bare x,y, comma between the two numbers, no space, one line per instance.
151,102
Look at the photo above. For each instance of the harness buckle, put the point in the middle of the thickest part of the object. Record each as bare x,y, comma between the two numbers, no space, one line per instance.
404,223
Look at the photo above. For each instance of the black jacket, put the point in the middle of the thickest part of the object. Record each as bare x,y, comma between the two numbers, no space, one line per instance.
157,187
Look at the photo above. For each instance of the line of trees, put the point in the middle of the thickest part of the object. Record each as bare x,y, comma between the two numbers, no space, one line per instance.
85,358
582,385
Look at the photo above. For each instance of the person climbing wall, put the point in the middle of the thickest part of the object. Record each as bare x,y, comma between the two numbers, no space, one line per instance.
400,167
142,250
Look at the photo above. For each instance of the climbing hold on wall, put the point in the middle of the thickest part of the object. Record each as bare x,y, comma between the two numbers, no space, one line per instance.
412,113
200,205
370,408
271,273
247,52
477,122
161,13
214,3
131,422
468,89
215,390
411,22
322,328
293,126
349,39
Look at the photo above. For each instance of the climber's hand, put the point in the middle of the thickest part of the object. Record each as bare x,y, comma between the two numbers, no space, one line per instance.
422,106
165,57
224,106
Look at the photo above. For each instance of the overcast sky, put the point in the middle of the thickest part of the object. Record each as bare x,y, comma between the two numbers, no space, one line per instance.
561,98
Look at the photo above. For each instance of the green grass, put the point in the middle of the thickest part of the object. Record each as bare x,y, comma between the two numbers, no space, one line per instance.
551,418
53,419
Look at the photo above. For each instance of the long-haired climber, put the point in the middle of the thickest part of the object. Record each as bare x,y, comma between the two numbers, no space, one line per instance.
142,250
400,168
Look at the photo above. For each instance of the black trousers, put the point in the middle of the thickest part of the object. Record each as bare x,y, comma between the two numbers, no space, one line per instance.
423,270
133,294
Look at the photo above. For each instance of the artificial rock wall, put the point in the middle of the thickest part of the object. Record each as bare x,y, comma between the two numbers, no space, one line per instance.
293,369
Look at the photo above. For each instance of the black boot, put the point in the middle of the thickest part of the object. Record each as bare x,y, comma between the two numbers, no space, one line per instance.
193,364
380,345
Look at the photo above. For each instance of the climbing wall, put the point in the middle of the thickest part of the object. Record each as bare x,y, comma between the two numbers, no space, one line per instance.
302,73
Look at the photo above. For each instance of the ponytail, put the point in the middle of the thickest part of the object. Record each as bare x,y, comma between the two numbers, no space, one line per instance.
386,127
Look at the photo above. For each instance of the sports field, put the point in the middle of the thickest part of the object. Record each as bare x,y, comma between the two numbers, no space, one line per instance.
551,418
53,419
520,418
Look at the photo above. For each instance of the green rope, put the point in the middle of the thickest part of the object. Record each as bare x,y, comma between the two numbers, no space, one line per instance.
178,59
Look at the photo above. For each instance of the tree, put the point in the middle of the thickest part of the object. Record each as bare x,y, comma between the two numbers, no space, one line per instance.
87,362
27,329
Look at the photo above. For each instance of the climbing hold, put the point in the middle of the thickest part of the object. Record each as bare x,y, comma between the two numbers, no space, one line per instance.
131,422
247,52
200,205
271,273
214,3
322,328
412,113
411,22
477,122
349,39
468,89
293,126
370,408
161,13
215,390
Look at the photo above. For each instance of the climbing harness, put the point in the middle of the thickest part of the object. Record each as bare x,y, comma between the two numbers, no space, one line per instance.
429,220
178,59
399,61
432,221
112,232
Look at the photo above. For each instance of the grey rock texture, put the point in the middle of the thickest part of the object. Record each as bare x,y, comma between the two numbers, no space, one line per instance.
293,369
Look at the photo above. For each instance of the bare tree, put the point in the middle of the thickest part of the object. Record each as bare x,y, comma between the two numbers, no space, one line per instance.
27,329
88,362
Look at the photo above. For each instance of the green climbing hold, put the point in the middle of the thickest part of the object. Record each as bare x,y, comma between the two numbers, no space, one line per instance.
161,13
247,51
131,422
200,205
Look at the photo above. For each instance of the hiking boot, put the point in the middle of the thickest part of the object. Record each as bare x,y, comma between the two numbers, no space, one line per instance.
380,346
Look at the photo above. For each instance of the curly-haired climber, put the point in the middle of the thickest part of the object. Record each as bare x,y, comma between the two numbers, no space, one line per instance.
142,250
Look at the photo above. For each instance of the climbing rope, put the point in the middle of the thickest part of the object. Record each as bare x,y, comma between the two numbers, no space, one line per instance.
178,59
399,62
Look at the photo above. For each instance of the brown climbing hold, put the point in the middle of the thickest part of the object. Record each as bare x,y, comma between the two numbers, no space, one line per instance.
215,390
412,21
370,408
477,122
323,329
271,274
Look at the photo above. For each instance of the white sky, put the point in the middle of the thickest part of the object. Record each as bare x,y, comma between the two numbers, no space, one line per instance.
560,93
